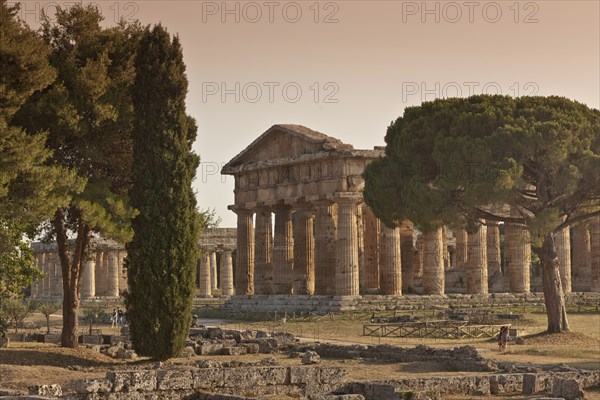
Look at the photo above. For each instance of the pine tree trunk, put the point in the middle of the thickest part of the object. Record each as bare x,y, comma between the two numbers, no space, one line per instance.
71,270
553,292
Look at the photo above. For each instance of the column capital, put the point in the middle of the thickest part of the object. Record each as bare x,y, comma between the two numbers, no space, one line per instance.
348,198
241,210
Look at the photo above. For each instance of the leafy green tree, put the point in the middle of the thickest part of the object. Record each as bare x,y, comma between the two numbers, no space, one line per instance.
163,253
30,190
16,310
47,308
88,114
457,161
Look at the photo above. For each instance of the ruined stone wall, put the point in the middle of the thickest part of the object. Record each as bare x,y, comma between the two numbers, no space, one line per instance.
463,358
295,381
480,385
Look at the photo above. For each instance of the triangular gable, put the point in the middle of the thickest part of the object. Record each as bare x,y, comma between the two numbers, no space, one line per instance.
286,141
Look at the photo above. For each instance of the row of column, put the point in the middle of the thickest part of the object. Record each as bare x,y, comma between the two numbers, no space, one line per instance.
51,284
323,247
208,278
479,254
102,275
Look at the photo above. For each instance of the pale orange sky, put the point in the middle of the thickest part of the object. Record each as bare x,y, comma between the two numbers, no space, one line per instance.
372,58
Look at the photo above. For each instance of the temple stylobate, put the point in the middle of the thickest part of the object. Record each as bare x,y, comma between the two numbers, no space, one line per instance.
303,228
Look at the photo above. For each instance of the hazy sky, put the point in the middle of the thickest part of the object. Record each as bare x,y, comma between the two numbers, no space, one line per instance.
348,68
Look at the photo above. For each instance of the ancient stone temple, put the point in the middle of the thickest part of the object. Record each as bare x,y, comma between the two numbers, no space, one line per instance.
105,275
303,229
310,184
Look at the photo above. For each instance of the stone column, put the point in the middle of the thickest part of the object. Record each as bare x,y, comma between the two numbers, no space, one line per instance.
213,270
433,263
360,240
283,250
55,283
39,284
263,251
582,262
123,282
226,272
48,270
495,277
519,257
372,228
347,248
325,245
477,273
461,248
113,274
304,250
88,282
595,253
390,261
407,252
100,282
205,289
419,257
244,274
562,241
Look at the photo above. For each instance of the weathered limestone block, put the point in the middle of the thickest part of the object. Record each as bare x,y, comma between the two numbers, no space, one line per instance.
240,378
174,379
270,376
569,389
506,383
304,375
310,357
45,390
234,351
93,386
332,375
133,381
208,378
209,349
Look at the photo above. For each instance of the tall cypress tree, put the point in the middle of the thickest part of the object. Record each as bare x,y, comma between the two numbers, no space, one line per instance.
163,253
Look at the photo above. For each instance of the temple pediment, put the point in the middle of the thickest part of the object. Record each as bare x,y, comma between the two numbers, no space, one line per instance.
286,142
